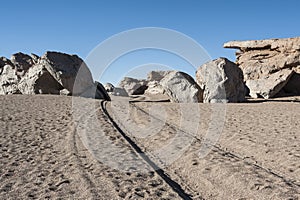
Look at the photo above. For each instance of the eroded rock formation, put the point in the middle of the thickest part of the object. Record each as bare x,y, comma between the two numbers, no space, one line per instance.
222,81
52,73
260,59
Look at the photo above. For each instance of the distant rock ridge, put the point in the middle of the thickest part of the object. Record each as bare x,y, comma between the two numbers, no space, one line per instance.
52,73
271,67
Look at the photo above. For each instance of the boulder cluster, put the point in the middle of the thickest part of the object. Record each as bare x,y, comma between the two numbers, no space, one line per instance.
217,81
52,73
264,68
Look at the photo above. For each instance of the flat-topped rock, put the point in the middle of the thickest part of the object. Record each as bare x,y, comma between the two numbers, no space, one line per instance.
272,44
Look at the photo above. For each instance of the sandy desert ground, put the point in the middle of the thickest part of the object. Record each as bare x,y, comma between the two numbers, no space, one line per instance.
59,147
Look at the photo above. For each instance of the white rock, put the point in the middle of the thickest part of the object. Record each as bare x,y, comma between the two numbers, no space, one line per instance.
181,88
222,81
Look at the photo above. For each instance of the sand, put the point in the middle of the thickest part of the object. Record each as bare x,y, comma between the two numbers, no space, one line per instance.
53,149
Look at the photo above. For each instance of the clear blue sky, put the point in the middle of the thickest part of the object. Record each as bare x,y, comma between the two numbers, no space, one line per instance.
77,27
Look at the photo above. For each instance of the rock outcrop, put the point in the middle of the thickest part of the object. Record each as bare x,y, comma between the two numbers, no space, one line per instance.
22,63
222,81
156,75
134,86
38,80
259,59
8,78
117,91
269,86
53,73
181,88
109,87
154,88
68,70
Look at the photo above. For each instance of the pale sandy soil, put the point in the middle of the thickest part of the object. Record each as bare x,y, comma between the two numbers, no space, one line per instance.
51,149
257,155
42,157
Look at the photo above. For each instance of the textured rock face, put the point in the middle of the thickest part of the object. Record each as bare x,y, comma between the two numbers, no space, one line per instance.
181,88
222,81
154,88
134,86
156,75
109,87
8,79
38,80
119,92
96,91
22,63
269,86
53,73
260,58
69,70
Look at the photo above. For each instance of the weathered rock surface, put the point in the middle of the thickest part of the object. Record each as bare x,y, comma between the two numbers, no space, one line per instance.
22,62
222,81
8,78
269,86
261,58
154,87
109,87
156,75
181,88
69,70
117,91
134,86
53,73
38,80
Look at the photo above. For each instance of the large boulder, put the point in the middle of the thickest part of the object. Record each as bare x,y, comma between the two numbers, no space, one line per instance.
38,80
222,81
53,73
68,70
8,78
134,86
22,63
154,88
96,91
156,75
109,87
181,88
269,86
259,59
117,91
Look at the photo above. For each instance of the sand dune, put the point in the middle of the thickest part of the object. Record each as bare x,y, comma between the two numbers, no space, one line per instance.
67,148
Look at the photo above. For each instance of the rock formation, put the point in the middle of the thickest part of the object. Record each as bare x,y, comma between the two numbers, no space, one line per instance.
154,88
134,86
109,87
222,81
69,70
117,91
53,73
260,59
22,63
156,75
181,88
8,78
38,80
269,86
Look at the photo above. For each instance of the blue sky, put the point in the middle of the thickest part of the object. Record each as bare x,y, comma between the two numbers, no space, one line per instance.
77,27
